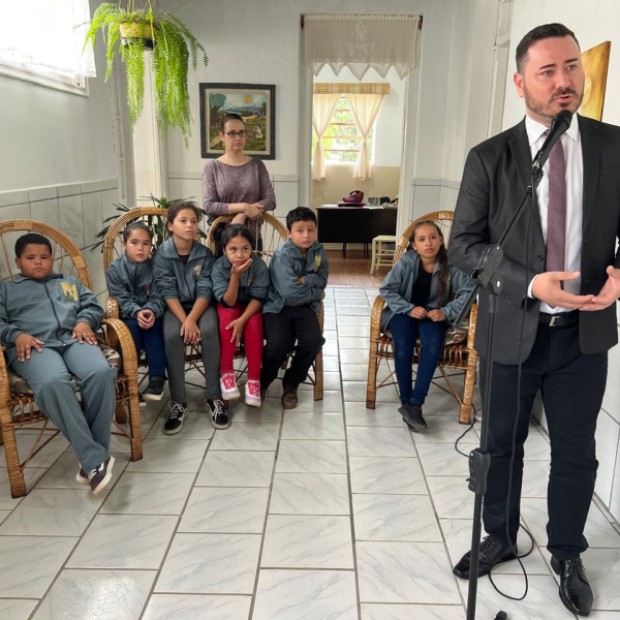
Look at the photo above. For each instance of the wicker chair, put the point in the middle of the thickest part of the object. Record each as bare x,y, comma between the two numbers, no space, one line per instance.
18,411
461,355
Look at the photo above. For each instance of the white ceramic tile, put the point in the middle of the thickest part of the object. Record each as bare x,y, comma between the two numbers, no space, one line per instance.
305,595
197,607
31,476
379,441
386,475
210,564
405,572
34,562
269,413
310,494
607,443
71,220
408,612
16,609
302,541
395,517
384,414
114,594
542,601
170,456
46,211
441,459
308,425
149,493
52,512
229,468
246,436
451,496
124,541
331,403
223,509
311,456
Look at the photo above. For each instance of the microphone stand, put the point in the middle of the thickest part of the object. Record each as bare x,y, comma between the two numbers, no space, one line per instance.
485,276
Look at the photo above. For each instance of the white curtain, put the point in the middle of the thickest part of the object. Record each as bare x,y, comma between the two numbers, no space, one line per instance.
322,110
360,42
365,109
46,37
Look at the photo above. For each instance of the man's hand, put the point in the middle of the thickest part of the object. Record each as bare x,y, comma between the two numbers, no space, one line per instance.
24,343
419,312
145,318
609,294
547,287
436,315
83,332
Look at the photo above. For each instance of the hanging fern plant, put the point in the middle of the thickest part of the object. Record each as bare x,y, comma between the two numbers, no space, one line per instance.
173,45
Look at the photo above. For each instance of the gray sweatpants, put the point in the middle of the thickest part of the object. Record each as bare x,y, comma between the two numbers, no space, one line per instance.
47,373
175,354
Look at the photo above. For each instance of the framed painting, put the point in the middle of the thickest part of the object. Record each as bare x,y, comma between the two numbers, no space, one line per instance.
255,103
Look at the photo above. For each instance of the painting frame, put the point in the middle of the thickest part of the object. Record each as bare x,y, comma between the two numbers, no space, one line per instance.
255,103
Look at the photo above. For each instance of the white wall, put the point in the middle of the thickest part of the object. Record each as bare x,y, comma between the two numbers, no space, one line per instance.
592,22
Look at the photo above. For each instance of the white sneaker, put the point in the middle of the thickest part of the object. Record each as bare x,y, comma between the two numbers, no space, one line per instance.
228,385
252,393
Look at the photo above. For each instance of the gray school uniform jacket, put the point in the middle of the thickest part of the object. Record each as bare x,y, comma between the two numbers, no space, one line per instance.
47,309
397,289
185,282
253,284
287,265
134,286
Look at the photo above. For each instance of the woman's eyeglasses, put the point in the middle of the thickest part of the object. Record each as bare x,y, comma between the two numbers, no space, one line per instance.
236,134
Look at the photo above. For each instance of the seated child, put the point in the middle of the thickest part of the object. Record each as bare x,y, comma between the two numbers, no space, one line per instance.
130,280
422,295
182,268
46,325
298,272
240,285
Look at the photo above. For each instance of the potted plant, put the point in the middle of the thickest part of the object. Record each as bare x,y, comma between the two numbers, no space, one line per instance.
128,31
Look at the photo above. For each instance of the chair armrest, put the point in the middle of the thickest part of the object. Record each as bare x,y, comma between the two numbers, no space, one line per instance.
375,318
112,309
5,385
471,332
117,332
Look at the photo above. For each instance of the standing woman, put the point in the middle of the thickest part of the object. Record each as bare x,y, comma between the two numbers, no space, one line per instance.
235,183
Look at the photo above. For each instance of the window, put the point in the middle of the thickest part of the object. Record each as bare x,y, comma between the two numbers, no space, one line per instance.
42,40
341,140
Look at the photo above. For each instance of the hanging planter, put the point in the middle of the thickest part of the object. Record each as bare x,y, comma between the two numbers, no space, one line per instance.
128,32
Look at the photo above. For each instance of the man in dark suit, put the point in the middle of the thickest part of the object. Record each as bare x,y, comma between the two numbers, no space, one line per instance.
553,326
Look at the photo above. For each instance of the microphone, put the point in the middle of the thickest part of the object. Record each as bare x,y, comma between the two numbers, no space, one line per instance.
559,125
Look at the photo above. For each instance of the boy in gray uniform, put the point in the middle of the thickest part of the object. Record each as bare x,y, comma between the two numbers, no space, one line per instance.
298,272
46,326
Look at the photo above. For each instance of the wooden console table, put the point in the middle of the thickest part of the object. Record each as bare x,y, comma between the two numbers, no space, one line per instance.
354,224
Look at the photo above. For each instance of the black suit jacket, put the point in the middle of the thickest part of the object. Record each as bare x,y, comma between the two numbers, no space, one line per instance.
496,175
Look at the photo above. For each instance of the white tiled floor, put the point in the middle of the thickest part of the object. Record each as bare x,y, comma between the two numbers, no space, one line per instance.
328,512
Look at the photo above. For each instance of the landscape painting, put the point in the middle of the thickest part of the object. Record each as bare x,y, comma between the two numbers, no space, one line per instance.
255,103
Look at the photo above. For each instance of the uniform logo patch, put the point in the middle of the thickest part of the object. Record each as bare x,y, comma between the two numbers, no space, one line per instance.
69,290
317,262
196,271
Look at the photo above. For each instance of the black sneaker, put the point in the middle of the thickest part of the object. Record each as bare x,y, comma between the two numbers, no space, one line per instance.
289,398
100,477
155,389
219,419
141,401
176,417
412,415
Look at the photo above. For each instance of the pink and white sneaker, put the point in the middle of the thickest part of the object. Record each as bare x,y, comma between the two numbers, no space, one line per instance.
252,393
228,385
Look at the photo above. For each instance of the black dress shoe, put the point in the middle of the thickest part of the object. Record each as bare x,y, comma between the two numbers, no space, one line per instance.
575,590
492,552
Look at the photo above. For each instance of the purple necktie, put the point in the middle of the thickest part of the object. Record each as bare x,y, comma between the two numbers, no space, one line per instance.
556,216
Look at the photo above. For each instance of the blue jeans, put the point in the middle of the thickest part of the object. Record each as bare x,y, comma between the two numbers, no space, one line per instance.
405,332
151,341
